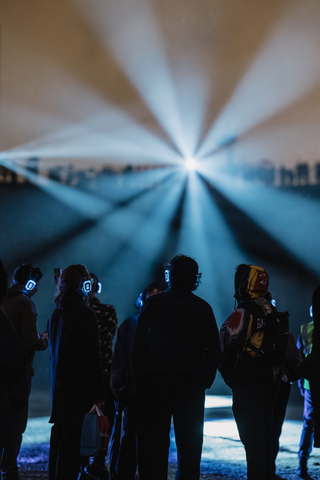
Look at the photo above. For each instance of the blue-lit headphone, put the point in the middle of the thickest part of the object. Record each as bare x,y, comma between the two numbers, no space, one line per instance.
96,283
30,285
167,275
139,301
86,287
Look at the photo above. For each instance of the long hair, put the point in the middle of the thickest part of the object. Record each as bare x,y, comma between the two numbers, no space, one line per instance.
70,284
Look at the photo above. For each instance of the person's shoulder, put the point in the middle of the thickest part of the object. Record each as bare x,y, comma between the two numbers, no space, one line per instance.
84,310
95,304
203,303
25,303
127,323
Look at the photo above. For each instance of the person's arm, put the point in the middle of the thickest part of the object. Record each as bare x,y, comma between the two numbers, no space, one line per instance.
119,364
90,351
13,355
141,342
213,350
29,334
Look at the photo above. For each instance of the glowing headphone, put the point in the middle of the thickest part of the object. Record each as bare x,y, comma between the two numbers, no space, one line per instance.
96,283
30,285
167,275
139,301
86,287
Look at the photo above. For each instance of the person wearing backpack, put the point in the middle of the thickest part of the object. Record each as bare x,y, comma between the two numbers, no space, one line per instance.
253,342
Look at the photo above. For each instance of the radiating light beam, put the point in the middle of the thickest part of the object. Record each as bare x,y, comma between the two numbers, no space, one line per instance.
89,206
293,220
138,47
283,71
206,237
109,136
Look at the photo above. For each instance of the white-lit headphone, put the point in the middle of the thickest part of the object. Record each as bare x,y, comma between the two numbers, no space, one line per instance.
86,287
167,275
30,285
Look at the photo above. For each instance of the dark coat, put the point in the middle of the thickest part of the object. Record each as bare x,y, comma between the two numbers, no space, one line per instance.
122,374
22,312
177,333
76,375
13,360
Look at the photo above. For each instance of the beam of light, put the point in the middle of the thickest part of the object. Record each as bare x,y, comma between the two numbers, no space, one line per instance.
110,135
222,429
217,401
206,237
89,206
139,49
124,246
191,164
284,138
291,219
285,69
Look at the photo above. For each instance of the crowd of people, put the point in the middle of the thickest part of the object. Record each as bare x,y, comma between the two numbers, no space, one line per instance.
164,359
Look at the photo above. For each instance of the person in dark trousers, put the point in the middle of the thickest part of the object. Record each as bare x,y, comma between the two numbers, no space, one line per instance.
304,344
107,325
292,360
13,362
76,374
176,355
123,455
315,381
262,333
21,310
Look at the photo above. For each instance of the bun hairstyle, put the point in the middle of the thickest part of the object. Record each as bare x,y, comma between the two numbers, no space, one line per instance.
70,284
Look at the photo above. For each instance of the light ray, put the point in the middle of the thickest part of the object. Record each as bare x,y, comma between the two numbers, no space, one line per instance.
285,69
111,135
139,49
292,219
206,237
89,206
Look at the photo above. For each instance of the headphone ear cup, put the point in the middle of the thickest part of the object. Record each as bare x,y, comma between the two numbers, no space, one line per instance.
30,285
139,301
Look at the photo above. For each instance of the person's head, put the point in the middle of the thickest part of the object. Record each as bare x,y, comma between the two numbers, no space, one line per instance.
28,276
151,289
96,285
74,281
183,272
250,282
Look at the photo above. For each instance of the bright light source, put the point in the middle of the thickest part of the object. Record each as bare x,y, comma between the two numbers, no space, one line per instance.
191,164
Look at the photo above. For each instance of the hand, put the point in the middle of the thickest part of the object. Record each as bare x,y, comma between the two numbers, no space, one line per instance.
45,338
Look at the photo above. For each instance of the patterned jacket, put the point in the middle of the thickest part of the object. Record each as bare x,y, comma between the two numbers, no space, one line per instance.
107,324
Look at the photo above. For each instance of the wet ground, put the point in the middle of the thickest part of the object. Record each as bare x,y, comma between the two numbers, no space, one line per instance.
223,456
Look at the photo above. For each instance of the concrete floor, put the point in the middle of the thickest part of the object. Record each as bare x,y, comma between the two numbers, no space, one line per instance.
223,455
